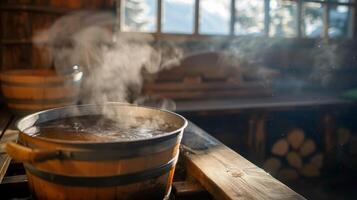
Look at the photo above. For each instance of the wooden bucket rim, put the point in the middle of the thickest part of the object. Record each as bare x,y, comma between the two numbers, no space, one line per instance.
88,144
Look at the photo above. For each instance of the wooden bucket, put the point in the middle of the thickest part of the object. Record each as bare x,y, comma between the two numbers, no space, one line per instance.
62,169
27,91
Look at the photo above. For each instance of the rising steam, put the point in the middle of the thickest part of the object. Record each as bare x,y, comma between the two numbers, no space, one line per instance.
112,63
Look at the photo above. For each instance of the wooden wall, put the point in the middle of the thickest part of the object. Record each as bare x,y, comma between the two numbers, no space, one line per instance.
22,19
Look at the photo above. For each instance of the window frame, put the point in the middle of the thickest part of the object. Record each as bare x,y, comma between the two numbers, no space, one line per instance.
267,19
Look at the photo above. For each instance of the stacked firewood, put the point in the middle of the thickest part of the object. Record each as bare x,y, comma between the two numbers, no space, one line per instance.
293,156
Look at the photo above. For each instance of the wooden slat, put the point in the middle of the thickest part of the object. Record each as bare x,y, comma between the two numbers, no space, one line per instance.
226,174
10,134
15,179
185,188
5,119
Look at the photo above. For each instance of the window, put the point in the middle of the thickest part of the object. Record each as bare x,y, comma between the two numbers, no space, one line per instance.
139,15
249,18
178,16
214,17
313,22
274,18
283,18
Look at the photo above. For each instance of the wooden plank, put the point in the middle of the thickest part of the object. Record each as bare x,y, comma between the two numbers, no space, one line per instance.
18,179
185,188
226,174
171,86
271,103
210,94
5,119
10,134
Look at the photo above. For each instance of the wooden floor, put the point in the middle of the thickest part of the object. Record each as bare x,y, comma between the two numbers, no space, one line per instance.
221,171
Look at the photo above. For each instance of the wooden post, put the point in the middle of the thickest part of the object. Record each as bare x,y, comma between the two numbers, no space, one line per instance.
329,138
257,136
250,136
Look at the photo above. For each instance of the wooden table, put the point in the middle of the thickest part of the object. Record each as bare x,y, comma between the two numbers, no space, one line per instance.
221,171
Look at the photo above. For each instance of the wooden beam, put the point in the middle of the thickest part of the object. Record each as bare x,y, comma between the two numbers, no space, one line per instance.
281,102
226,174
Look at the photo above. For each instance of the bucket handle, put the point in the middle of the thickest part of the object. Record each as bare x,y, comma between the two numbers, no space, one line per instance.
25,154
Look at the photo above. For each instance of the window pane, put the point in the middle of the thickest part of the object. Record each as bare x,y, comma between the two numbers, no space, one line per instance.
139,15
250,17
312,26
283,18
178,16
214,16
340,21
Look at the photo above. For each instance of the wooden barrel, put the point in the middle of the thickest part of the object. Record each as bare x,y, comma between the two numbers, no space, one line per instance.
27,91
134,169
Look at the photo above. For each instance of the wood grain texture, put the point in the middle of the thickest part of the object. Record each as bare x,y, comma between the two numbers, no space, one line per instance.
226,174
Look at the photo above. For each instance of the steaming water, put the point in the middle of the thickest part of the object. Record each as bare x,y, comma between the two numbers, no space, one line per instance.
100,129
